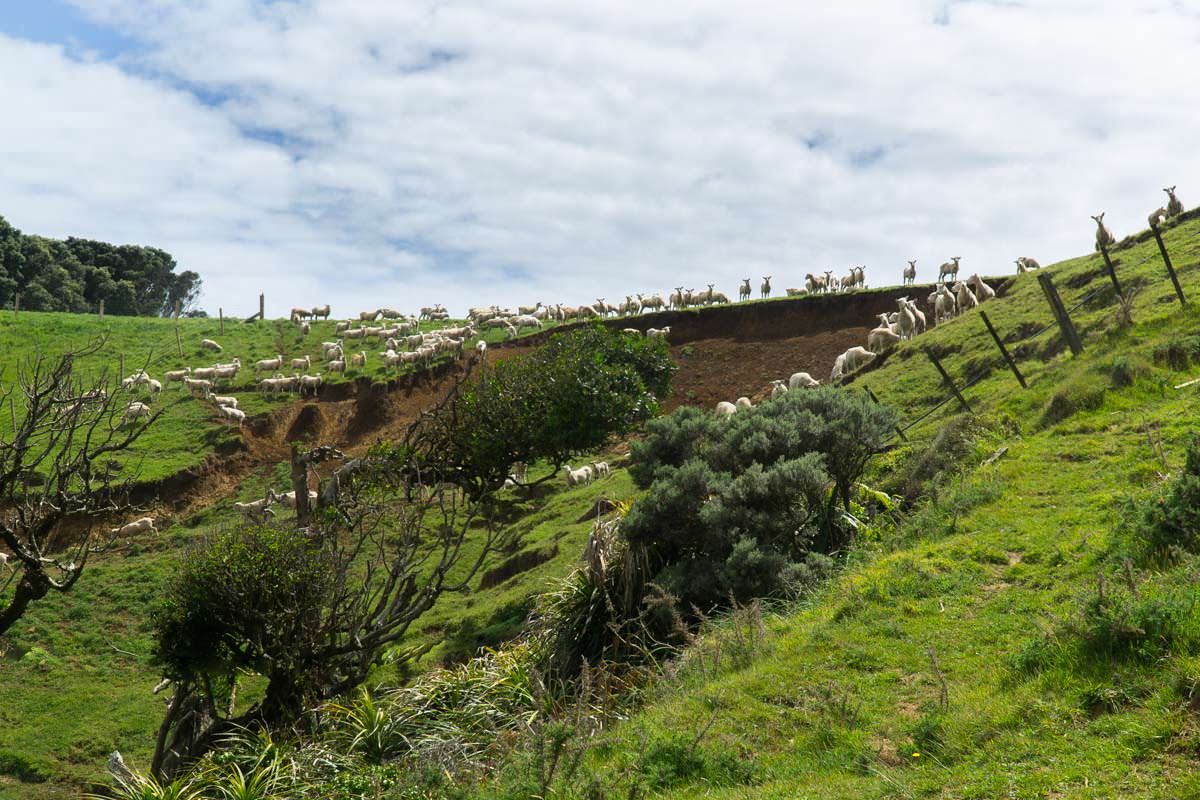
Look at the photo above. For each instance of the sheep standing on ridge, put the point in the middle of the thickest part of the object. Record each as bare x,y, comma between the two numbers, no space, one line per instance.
982,290
949,268
765,289
744,290
910,273
1104,237
1174,206
965,297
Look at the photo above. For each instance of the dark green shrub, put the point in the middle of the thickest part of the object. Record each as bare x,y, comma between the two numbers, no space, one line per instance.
677,758
1178,354
1171,518
1122,371
1115,624
956,442
670,441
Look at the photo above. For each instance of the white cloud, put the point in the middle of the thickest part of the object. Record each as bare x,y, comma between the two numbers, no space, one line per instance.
367,152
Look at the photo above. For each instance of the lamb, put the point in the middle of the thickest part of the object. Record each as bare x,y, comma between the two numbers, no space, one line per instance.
658,333
910,273
600,469
224,400
305,329
177,376
154,386
359,359
4,562
965,297
198,386
209,344
302,363
946,306
802,380
143,525
982,290
268,364
135,411
232,414
320,311
1157,217
526,321
879,339
1026,264
743,403
337,365
744,290
850,361
258,510
778,388
481,348
1174,206
765,288
368,316
949,268
578,477
907,320
726,409
918,315
1104,237
312,382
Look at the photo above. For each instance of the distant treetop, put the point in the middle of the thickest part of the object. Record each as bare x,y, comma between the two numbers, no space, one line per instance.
76,274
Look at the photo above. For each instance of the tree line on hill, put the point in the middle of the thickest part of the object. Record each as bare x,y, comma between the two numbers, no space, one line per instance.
77,274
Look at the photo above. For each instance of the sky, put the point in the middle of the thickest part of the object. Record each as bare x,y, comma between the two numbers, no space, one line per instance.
399,153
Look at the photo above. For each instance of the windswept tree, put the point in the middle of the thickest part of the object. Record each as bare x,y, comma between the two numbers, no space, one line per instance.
62,438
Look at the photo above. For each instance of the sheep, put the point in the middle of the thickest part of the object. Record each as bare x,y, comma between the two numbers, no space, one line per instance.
1104,237
600,469
716,297
198,386
355,333
982,290
744,290
949,268
860,276
846,283
850,361
327,346
658,333
223,400
305,329
359,359
814,284
765,288
288,499
578,477
654,301
320,311
209,344
368,316
481,348
743,403
390,313
802,380
965,297
792,292
879,339
1174,206
312,382
918,315
526,321
778,388
337,365
143,525
726,409
258,510
342,327
299,314
675,299
154,386
945,306
302,363
232,414
177,376
4,562
268,364
909,275
135,411
1157,217
907,320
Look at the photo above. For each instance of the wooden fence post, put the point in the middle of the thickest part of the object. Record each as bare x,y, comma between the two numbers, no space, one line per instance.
1112,272
221,313
101,308
1162,248
875,400
962,401
262,313
121,357
1060,314
1003,350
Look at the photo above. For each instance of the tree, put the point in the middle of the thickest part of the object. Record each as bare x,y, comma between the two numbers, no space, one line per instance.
566,397
312,608
58,465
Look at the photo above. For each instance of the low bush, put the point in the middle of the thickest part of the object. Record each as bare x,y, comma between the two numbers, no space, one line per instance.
1171,518
1082,394
1179,353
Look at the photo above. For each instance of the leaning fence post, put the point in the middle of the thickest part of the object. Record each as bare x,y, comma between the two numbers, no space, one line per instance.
221,314
1060,314
262,313
178,341
946,379
875,400
1112,272
1003,350
1162,248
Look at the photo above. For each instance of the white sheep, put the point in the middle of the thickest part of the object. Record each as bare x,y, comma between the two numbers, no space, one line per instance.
949,268
965,297
258,510
135,411
982,290
1104,237
765,288
802,380
918,315
850,361
909,274
312,382
1174,206
143,525
209,344
337,365
320,311
198,386
814,283
743,403
881,338
1157,217
232,414
302,363
358,359
305,329
342,327
578,477
945,306
744,290
368,316
600,469
907,321
177,376
481,348
4,562
288,499
658,333
716,297
268,364
726,409
224,400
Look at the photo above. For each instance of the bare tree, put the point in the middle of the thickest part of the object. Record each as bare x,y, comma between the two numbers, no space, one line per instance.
58,474
389,535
